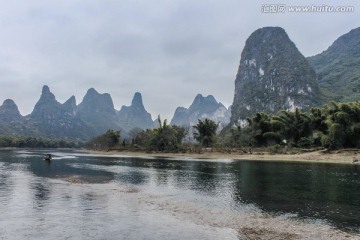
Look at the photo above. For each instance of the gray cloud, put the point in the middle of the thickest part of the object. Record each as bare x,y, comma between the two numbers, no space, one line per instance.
169,50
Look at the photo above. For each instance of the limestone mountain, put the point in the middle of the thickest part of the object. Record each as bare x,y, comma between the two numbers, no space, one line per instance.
338,68
93,116
135,115
70,107
98,112
9,112
55,120
46,107
201,108
11,121
272,75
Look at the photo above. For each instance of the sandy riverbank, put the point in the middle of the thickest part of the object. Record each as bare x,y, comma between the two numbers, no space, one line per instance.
340,157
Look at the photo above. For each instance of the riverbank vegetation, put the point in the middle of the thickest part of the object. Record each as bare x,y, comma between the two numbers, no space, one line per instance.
334,126
34,142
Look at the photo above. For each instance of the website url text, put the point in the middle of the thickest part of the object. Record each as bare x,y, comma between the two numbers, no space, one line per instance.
283,8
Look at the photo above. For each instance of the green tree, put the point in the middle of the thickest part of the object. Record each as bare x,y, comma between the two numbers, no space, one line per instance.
343,123
163,138
236,136
167,137
318,120
293,126
257,127
206,132
110,139
143,139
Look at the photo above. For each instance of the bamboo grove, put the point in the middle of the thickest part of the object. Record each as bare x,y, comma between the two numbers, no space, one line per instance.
334,126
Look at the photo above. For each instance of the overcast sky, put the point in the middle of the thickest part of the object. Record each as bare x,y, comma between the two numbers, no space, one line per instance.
169,50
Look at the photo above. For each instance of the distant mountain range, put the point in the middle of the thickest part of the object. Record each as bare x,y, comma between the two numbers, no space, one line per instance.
273,75
95,115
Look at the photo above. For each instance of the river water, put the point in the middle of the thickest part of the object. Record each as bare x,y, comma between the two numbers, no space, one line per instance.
89,196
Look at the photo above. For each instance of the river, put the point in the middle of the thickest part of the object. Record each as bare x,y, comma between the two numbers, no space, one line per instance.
93,196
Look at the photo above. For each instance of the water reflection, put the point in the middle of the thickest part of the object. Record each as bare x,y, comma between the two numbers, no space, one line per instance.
70,170
161,177
321,191
133,177
325,191
330,192
6,183
41,194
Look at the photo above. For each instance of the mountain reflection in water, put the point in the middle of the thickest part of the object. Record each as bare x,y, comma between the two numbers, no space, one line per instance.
75,187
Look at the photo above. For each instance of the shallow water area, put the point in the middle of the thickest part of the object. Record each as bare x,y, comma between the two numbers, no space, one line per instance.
90,196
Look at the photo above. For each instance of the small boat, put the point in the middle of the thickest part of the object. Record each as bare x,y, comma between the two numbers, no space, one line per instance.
48,157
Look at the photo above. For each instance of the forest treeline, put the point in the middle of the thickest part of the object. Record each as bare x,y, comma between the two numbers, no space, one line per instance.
334,126
37,142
